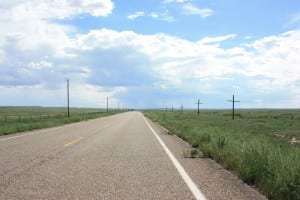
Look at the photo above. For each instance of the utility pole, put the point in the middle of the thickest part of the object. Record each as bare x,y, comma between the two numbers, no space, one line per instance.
198,105
68,97
233,101
107,104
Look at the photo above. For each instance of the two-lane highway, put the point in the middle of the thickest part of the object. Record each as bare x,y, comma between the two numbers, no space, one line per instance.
123,156
110,158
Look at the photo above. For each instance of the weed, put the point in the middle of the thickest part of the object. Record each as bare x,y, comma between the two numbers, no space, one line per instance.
221,142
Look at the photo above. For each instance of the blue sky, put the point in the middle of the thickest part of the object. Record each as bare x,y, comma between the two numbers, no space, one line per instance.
150,54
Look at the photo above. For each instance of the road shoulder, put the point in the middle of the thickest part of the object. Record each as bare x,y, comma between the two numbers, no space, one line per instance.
212,179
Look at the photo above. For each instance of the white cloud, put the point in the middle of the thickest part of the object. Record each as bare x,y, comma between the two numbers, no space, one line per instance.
190,9
106,62
54,9
248,37
136,15
175,1
154,15
218,39
163,16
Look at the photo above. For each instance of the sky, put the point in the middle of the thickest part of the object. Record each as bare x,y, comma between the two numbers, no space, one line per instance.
150,54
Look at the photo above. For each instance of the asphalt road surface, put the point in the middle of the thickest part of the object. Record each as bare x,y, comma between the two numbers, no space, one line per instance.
118,157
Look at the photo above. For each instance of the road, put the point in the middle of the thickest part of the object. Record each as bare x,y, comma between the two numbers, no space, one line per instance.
118,157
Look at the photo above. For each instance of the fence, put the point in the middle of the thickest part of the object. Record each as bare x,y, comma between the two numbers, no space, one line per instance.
40,117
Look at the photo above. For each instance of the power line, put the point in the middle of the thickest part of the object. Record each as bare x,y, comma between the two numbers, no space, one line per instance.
198,105
233,101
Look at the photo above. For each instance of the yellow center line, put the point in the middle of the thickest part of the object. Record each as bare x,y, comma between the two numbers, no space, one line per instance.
72,142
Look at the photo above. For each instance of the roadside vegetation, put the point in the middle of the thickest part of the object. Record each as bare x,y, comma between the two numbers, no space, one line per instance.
261,146
19,119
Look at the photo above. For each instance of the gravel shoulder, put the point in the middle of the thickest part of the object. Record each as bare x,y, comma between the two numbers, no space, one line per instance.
212,179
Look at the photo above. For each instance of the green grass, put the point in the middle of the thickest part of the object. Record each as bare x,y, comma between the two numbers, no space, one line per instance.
256,145
19,119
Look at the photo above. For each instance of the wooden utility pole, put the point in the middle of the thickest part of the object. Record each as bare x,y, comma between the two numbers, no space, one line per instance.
233,101
68,97
107,104
198,105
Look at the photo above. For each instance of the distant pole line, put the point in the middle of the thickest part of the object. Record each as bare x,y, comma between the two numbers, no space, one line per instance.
68,97
198,105
233,102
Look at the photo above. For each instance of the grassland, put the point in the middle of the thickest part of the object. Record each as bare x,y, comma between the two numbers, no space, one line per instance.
261,146
19,119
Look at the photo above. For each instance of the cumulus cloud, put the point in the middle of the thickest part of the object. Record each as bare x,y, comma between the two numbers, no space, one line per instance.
175,60
131,66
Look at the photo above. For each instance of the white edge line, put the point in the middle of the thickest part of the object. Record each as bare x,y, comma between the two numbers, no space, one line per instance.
190,183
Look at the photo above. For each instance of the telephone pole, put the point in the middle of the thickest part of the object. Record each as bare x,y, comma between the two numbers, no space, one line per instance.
233,101
107,104
198,105
68,97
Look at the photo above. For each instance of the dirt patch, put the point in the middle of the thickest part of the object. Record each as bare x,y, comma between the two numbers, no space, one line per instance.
280,136
295,140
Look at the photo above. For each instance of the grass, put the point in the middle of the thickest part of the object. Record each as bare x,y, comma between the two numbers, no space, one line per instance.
257,145
19,119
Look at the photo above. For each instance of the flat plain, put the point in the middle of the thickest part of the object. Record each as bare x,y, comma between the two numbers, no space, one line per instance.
261,146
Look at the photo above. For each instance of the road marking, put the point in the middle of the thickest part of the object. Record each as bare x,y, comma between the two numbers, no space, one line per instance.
26,134
73,142
190,183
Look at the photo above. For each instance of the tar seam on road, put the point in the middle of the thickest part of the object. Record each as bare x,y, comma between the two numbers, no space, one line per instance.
190,183
73,142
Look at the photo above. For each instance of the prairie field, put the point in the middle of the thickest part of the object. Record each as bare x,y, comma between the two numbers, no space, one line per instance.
19,119
261,146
